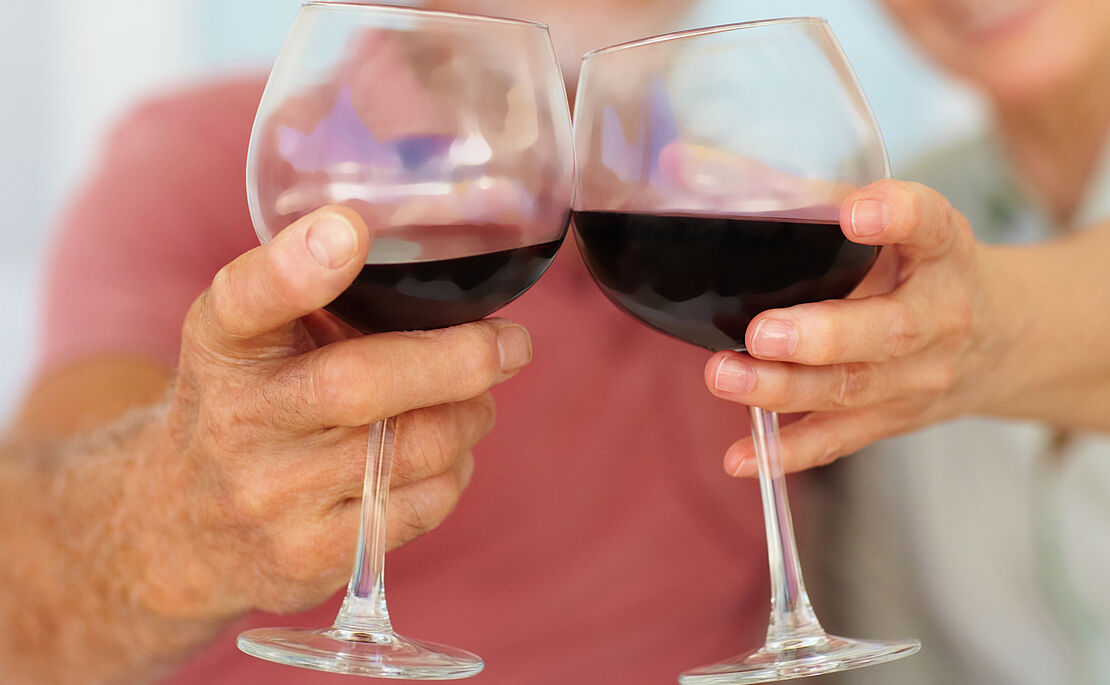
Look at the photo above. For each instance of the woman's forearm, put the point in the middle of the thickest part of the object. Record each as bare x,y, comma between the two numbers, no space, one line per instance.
1053,302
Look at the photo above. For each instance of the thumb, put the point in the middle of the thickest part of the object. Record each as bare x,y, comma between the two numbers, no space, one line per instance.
916,218
306,266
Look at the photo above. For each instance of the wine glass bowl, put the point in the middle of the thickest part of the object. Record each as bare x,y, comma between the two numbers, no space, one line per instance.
449,134
711,168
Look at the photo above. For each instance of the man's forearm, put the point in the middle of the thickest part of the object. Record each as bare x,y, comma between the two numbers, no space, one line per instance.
75,528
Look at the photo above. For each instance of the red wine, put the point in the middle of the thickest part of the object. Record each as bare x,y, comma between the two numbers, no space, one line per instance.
421,295
702,279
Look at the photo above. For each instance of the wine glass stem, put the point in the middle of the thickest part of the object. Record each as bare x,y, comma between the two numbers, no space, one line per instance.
364,609
792,617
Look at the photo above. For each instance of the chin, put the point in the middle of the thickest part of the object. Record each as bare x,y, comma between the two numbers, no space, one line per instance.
1048,52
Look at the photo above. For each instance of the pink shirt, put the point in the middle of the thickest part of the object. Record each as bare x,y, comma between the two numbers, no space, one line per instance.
600,540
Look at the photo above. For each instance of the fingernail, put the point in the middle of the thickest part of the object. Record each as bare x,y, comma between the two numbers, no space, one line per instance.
734,376
774,338
870,217
514,347
332,240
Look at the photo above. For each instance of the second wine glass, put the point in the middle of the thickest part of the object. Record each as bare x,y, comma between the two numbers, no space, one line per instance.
450,135
712,166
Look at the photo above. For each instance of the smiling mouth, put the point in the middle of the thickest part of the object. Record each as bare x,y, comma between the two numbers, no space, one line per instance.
985,18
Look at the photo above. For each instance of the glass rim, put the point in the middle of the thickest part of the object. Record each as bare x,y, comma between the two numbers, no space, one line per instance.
707,30
419,12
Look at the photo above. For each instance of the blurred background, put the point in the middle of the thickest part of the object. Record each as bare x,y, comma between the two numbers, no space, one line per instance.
69,69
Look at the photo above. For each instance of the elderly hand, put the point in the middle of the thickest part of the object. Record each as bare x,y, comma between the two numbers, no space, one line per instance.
912,346
264,447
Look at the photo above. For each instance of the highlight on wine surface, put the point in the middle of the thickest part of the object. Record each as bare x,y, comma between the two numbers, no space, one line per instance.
449,134
711,168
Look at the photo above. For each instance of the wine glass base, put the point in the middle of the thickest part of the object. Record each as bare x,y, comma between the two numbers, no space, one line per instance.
800,658
375,655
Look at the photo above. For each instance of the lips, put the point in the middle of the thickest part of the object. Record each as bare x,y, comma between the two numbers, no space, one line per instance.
986,18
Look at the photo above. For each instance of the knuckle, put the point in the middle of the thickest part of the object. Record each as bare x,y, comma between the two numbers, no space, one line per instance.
960,227
905,332
277,269
411,517
300,391
251,502
438,438
463,472
193,318
774,395
476,373
282,399
467,352
382,382
424,447
215,304
419,508
961,317
317,394
926,212
485,414
940,378
854,387
829,448
225,424
911,211
830,345
481,363
945,220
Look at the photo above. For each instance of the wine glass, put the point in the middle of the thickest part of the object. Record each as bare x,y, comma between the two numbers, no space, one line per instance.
711,167
450,135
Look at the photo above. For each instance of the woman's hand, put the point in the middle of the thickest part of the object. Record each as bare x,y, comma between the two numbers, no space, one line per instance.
917,343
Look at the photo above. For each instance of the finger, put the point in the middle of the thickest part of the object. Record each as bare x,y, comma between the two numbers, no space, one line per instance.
791,388
430,440
428,443
916,217
814,440
419,507
360,381
321,547
305,267
843,331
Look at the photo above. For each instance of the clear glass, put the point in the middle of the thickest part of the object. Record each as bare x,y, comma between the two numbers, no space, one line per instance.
450,135
711,168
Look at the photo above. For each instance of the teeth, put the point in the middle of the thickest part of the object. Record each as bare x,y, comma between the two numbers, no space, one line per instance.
983,15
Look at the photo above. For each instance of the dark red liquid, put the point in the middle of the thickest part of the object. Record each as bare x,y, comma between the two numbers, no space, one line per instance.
702,279
421,295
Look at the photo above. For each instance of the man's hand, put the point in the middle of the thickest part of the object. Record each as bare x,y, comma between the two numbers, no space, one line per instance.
134,542
267,430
